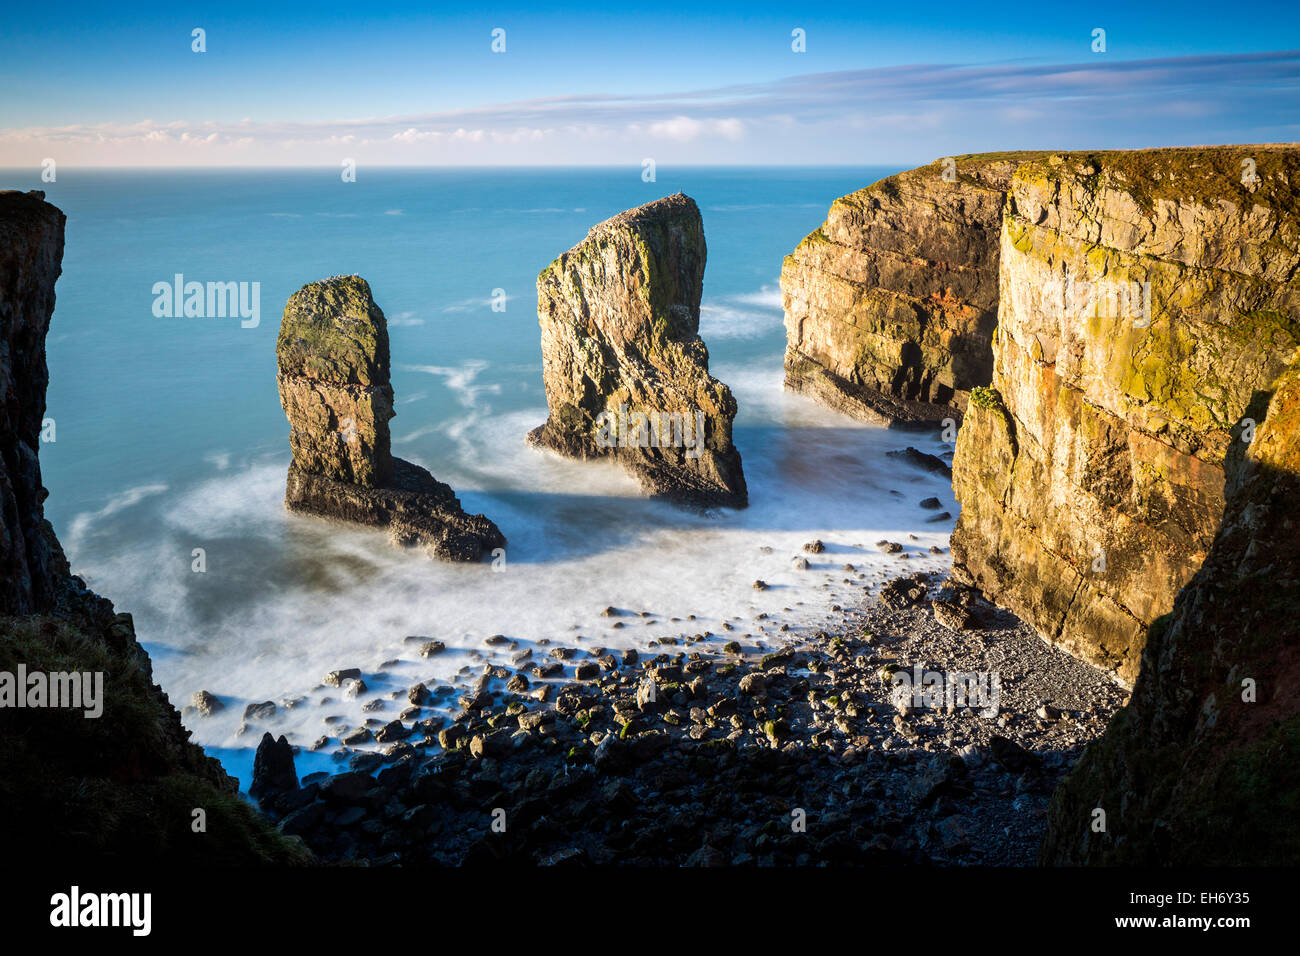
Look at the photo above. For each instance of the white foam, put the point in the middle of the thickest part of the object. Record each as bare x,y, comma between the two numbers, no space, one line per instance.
287,598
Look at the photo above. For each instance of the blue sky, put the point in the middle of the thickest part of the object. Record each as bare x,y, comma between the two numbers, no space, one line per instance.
612,82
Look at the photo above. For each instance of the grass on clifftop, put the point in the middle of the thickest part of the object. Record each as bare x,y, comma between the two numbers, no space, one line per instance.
120,786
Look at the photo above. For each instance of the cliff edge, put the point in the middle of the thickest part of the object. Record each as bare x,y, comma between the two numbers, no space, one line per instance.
1146,298
1202,767
890,305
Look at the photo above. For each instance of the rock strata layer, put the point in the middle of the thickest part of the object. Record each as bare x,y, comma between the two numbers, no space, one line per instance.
626,372
890,305
1147,300
335,389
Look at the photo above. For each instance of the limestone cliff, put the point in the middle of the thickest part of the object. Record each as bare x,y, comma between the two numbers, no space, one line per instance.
890,306
1203,765
334,385
626,373
124,784
1146,298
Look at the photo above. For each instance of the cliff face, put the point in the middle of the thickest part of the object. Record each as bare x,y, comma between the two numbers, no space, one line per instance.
626,373
333,360
31,256
890,306
1203,765
123,784
1146,298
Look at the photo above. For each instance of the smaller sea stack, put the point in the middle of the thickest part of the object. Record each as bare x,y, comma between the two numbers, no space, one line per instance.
333,361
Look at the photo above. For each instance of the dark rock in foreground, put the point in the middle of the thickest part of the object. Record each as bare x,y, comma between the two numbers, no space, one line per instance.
796,757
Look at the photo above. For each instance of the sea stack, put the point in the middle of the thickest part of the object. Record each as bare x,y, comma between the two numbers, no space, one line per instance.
626,372
333,361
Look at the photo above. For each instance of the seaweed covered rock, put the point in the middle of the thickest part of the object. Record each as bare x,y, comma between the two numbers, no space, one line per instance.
333,360
1202,767
626,373
1146,298
890,305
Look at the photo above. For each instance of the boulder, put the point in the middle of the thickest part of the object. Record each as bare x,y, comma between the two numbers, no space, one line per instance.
273,769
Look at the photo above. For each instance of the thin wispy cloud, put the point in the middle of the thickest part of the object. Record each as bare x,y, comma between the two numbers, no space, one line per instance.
851,116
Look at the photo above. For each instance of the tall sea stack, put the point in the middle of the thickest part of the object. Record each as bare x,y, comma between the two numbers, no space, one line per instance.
626,372
334,384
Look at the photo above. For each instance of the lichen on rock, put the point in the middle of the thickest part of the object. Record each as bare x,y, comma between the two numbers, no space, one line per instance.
1145,298
334,384
335,389
626,372
1202,767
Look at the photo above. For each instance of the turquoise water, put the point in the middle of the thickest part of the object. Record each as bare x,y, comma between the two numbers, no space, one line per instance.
170,436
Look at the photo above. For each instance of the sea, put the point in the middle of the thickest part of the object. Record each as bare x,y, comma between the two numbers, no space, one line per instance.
167,469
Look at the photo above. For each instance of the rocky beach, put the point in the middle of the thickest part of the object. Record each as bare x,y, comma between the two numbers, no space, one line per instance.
715,750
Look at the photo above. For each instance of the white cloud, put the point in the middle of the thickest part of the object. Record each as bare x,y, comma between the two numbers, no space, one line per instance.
857,116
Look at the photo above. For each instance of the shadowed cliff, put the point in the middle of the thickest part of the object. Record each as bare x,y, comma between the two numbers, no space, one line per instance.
124,785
